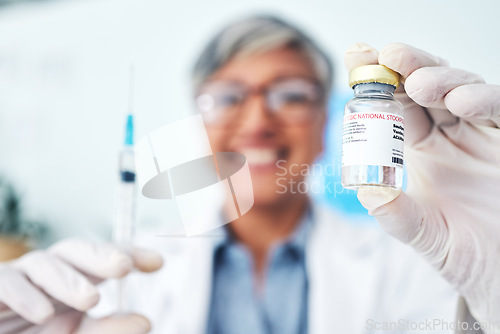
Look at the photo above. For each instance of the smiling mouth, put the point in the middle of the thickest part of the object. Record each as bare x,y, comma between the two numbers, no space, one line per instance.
263,157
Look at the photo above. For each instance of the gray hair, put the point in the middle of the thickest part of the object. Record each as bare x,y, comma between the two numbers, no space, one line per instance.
258,34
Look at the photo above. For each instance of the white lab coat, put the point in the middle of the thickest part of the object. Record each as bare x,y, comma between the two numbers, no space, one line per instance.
359,278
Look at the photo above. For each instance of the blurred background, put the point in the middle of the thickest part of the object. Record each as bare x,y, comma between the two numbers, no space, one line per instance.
64,68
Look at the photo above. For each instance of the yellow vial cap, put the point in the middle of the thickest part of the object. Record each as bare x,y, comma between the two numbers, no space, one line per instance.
373,73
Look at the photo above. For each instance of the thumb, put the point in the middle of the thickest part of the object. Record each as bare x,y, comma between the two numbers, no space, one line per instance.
116,323
401,216
145,260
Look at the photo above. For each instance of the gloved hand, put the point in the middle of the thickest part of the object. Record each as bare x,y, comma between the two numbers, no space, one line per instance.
451,210
49,291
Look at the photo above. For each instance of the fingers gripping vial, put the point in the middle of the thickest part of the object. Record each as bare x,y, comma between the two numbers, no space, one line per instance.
373,133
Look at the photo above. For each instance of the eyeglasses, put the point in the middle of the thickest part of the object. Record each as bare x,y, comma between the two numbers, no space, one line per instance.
293,100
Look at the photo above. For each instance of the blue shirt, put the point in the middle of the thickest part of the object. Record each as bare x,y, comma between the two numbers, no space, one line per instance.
281,305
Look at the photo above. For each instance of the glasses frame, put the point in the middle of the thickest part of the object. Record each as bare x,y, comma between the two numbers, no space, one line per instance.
263,91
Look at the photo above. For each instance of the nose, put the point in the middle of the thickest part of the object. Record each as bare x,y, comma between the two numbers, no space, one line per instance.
256,120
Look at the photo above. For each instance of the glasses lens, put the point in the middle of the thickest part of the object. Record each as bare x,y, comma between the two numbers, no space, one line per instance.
295,99
219,101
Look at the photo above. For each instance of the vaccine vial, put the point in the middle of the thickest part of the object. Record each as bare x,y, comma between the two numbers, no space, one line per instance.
373,130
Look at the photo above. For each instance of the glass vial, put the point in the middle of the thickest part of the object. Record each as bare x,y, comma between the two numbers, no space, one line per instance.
373,132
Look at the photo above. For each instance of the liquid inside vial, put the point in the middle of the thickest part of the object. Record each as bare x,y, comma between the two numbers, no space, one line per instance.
371,175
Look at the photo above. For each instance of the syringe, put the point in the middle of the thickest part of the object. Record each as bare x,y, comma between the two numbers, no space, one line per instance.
124,224
125,213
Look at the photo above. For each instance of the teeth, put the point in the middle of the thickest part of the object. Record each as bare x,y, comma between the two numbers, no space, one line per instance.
260,156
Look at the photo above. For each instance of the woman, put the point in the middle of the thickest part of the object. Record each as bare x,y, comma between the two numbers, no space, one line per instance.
288,266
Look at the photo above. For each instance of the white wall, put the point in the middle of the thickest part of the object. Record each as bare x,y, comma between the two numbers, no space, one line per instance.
64,71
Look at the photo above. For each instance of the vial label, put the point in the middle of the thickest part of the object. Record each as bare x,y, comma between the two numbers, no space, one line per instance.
373,138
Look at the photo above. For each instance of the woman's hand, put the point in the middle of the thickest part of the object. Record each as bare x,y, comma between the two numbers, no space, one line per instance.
451,210
50,291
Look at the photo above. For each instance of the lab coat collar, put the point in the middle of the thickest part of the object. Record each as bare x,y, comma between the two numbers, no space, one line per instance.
297,240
